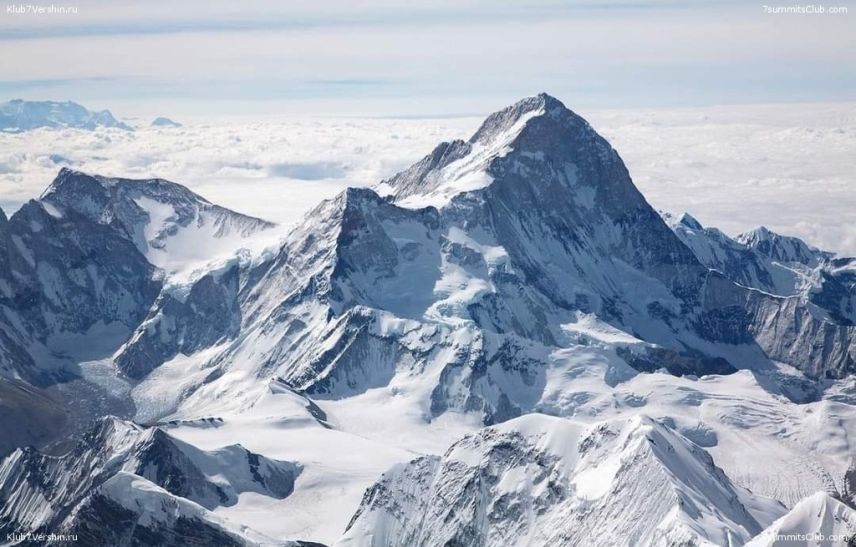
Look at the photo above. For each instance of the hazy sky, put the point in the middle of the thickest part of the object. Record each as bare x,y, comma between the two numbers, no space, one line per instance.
435,57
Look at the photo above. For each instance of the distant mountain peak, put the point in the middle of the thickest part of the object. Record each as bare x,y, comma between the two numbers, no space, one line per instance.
690,222
19,115
781,247
69,183
162,121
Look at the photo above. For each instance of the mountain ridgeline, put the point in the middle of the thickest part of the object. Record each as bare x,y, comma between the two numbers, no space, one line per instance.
18,115
484,281
488,248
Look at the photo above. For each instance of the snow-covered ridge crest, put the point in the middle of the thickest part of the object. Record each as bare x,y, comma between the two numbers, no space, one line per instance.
539,480
776,264
171,225
782,248
459,166
819,519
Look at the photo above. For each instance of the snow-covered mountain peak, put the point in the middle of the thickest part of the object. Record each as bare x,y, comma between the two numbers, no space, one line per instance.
782,248
509,119
690,222
521,134
166,221
162,121
539,480
19,115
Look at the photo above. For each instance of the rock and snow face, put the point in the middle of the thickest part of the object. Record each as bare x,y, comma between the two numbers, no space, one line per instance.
776,264
170,225
538,480
517,272
784,249
84,263
739,261
114,463
65,277
477,266
19,115
130,510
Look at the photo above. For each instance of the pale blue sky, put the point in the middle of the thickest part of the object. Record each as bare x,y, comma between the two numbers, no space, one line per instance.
441,57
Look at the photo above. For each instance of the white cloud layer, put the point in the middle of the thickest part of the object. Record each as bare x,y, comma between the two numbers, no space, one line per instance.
787,167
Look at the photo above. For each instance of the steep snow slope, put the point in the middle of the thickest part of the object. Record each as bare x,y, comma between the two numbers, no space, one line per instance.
537,480
817,520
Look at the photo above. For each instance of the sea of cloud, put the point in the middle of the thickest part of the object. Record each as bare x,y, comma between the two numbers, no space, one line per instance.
788,167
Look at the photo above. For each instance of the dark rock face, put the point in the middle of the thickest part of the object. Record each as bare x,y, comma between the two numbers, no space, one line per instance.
62,277
208,314
31,416
565,192
837,292
679,364
77,265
